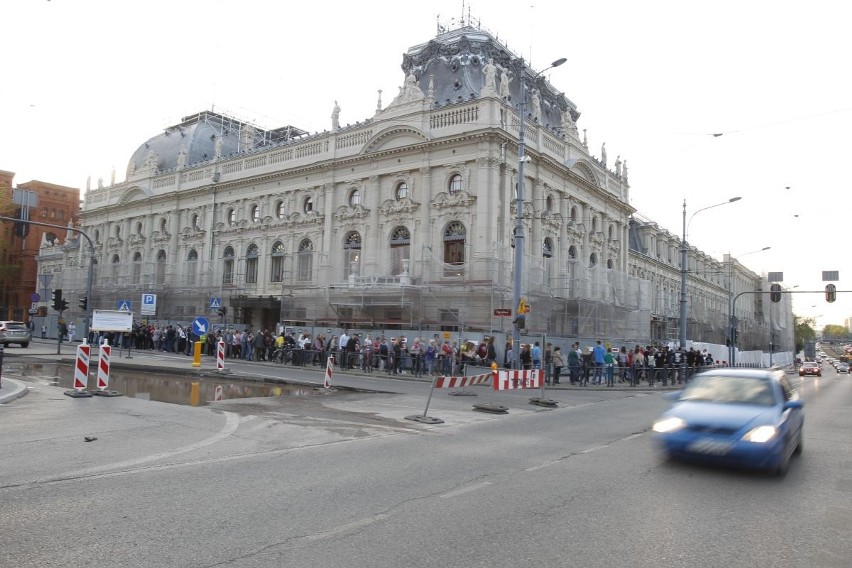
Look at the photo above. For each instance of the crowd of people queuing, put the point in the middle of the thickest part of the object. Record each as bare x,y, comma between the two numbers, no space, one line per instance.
595,365
599,365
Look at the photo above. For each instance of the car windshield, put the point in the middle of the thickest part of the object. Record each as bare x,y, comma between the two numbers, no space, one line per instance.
16,327
730,389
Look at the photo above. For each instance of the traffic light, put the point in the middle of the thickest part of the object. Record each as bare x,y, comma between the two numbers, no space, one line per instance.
56,298
83,303
63,305
222,311
830,293
775,294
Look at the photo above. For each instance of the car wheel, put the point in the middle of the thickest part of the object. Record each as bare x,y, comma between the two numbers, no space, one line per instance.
25,345
781,469
800,442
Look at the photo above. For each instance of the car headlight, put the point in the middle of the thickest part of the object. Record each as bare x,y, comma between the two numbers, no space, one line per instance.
760,434
670,424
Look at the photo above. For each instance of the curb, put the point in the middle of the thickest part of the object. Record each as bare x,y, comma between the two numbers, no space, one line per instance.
19,391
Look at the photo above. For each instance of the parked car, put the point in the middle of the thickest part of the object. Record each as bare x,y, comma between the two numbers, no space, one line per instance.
810,368
14,332
735,417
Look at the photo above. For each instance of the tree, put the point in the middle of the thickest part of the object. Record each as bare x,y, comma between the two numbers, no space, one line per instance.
804,332
834,332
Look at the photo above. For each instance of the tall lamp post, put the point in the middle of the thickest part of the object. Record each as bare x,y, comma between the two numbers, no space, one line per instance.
731,316
683,249
519,215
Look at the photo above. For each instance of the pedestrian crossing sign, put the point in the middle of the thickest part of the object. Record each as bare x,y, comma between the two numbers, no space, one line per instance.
125,306
215,303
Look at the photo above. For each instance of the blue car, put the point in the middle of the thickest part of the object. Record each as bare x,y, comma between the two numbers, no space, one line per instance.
749,418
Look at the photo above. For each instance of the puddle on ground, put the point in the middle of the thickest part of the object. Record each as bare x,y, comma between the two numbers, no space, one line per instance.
160,387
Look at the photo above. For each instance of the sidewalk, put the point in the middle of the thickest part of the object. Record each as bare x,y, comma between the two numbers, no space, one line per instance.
179,364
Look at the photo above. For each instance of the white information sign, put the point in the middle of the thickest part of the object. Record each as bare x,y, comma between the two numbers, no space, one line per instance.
149,305
112,320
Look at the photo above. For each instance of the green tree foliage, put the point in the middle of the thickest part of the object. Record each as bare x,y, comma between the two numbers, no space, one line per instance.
804,332
834,331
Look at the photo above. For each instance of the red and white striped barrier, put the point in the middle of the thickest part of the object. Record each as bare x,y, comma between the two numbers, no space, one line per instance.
104,354
220,355
81,369
329,371
458,382
509,380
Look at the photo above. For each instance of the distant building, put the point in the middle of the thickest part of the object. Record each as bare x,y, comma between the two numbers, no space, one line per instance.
20,243
404,220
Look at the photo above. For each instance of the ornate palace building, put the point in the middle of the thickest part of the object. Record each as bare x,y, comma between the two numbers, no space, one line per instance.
403,220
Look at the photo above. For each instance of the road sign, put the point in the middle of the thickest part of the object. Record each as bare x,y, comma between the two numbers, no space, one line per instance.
502,312
149,304
35,297
124,306
200,325
215,303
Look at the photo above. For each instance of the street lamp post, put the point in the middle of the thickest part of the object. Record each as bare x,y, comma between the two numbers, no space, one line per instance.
519,215
683,267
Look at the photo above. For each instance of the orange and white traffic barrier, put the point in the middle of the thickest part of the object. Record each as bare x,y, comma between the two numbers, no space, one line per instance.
510,380
220,356
104,355
329,371
442,382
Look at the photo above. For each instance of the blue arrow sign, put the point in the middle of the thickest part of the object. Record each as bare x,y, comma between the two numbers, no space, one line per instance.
215,303
200,325
125,306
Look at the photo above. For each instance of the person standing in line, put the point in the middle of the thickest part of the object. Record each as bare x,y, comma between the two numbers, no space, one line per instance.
573,364
526,357
609,368
558,363
599,360
535,353
72,329
548,363
342,343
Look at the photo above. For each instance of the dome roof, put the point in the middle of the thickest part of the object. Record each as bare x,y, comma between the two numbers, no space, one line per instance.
201,138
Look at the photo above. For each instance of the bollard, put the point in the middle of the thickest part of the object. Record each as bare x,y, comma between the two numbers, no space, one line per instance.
329,372
2,349
81,372
196,359
195,394
220,356
104,355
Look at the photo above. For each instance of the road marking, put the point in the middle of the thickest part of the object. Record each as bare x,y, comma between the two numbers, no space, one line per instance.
464,490
355,525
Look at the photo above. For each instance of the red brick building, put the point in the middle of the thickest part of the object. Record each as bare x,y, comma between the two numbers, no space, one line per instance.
19,244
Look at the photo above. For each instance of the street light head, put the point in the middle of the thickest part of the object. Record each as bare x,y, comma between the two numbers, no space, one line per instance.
559,62
731,200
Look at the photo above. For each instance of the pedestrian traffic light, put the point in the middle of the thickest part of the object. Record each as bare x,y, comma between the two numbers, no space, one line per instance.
830,293
57,299
83,303
775,294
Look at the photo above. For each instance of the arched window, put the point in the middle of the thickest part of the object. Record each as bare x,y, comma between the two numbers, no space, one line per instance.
232,216
191,267
306,260
255,213
611,232
114,267
97,235
195,224
593,260
400,245
228,266
454,241
251,264
546,261
455,185
138,228
117,231
351,253
548,204
278,255
573,214
610,264
281,209
308,205
401,191
161,267
163,226
594,224
354,197
572,253
137,268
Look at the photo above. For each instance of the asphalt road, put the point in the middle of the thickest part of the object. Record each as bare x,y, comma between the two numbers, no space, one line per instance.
344,480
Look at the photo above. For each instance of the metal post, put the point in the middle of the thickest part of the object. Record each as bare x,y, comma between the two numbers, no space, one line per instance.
682,330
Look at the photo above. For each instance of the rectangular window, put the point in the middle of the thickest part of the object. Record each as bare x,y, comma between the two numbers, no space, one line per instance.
251,271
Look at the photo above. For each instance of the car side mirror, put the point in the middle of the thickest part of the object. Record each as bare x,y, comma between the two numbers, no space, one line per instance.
794,404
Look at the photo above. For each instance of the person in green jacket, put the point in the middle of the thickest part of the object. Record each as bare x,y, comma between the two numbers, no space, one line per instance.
609,367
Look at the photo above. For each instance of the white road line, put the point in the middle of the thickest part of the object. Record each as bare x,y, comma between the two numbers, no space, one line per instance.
359,524
464,490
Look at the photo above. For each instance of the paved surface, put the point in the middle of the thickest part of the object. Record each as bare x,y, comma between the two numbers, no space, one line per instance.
46,350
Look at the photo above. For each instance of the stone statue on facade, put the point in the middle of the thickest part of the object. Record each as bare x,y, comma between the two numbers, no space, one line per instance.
379,103
624,170
151,159
535,106
217,148
181,157
618,165
335,117
568,124
490,72
504,83
603,154
410,91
